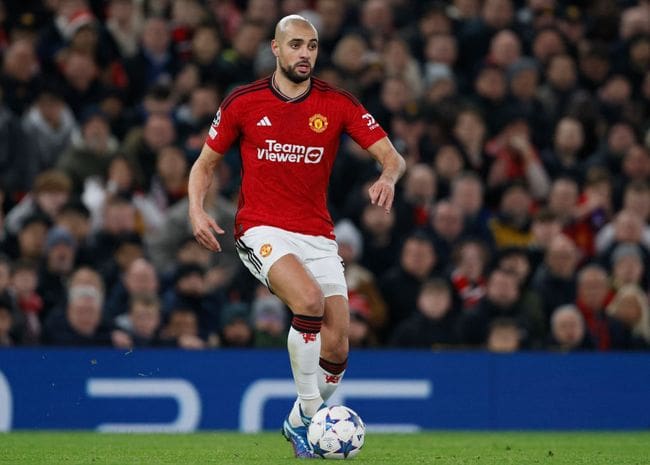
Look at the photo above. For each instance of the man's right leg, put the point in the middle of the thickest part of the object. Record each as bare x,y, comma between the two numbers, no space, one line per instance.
292,282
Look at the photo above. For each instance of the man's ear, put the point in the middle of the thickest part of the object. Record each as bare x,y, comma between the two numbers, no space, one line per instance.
274,47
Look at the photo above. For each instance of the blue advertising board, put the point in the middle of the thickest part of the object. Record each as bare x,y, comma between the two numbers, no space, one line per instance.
250,390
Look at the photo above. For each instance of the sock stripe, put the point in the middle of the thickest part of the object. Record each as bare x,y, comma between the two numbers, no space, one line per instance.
333,367
307,324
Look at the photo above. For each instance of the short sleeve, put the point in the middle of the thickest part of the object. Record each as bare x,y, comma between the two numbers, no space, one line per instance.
361,125
224,129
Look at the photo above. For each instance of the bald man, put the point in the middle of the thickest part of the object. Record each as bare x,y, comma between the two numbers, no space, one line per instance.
289,125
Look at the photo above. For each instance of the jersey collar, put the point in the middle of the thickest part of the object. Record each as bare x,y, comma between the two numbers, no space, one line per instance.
278,93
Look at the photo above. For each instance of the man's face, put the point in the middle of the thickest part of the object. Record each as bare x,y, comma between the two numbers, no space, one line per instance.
296,49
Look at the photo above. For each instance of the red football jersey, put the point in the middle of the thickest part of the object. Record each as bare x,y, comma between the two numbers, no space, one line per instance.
288,147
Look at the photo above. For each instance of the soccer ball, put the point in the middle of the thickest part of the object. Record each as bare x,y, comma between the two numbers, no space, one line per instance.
336,432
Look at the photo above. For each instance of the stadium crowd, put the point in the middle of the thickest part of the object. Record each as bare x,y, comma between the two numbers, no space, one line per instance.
521,223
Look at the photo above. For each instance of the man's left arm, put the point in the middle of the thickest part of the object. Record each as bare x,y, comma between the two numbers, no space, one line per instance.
382,191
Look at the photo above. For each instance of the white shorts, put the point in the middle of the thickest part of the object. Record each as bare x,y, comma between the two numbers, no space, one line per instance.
260,247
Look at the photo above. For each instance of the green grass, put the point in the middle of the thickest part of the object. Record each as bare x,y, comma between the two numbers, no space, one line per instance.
438,448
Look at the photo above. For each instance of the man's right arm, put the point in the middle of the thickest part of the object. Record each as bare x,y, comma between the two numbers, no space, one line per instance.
201,176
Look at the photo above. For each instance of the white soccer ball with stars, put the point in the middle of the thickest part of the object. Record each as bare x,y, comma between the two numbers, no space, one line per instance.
336,432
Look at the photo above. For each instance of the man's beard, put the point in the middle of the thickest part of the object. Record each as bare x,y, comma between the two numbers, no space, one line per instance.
293,76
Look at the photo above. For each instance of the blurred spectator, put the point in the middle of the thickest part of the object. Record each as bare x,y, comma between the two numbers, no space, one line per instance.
468,273
502,299
169,182
138,278
619,139
446,230
419,194
236,330
51,190
563,199
467,194
475,36
568,332
592,211
269,319
448,164
593,296
49,125
236,62
182,330
432,325
547,42
565,158
14,145
516,158
19,78
361,334
630,306
358,66
635,168
398,62
627,228
119,181
511,224
142,144
401,284
554,280
628,266
155,61
140,325
504,336
361,282
80,84
634,214
60,251
119,219
190,291
29,244
91,151
470,132
380,241
505,49
24,282
544,228
206,46
81,324
560,86
123,24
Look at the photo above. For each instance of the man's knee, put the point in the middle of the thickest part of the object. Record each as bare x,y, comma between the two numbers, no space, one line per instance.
311,302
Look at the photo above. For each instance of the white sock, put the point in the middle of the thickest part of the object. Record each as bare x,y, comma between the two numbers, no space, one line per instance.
304,353
328,382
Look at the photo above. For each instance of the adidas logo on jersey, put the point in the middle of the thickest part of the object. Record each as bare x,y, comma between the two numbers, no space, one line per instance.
264,122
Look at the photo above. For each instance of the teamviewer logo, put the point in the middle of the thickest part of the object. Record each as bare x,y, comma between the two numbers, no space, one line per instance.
314,154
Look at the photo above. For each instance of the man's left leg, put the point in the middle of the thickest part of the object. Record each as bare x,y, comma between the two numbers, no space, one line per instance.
334,345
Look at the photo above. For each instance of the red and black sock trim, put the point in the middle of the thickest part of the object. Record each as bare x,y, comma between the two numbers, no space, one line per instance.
333,367
307,324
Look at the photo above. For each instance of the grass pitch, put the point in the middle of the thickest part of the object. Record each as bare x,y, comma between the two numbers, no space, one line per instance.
437,448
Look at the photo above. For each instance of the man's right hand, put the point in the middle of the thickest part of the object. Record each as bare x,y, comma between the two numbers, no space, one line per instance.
204,229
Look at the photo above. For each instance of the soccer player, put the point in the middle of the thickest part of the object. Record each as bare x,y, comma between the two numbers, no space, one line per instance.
289,126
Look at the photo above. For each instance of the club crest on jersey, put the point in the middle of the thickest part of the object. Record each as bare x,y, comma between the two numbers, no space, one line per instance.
266,250
318,123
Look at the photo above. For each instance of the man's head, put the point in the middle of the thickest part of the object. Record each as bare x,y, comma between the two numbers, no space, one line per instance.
84,311
567,326
295,46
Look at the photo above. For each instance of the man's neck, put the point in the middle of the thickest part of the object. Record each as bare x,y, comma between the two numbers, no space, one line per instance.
287,87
